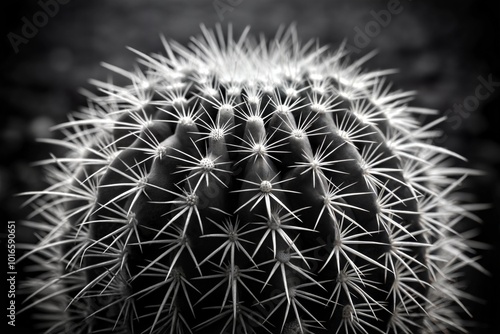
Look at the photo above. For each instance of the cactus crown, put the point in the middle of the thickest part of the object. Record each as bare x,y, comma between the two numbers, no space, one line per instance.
246,186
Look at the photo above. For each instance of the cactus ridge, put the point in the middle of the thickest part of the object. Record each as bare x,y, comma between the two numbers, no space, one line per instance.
246,186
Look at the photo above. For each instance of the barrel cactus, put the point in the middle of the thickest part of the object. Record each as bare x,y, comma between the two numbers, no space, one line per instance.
249,186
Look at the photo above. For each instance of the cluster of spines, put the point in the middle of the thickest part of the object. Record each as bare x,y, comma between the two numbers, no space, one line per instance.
249,186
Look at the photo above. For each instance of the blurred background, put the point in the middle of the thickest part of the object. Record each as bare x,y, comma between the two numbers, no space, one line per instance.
444,50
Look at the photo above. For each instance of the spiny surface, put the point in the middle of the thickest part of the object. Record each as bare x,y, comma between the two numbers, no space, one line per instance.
247,186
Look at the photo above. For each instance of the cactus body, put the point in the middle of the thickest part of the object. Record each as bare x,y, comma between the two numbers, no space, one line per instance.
241,186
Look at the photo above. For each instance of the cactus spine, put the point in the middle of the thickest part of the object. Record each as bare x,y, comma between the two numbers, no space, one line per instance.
246,186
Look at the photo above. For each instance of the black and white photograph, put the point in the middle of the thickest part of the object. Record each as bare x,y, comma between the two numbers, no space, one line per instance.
250,167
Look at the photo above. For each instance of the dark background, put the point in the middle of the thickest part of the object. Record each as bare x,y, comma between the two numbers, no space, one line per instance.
440,47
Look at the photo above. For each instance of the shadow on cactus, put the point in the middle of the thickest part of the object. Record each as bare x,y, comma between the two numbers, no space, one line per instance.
246,186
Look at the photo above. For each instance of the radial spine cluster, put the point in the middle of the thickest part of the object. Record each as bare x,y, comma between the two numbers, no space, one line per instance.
240,185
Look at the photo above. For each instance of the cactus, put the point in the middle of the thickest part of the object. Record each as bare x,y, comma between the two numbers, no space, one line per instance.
247,186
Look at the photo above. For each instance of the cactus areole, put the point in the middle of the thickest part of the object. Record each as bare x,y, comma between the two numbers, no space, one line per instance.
240,185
